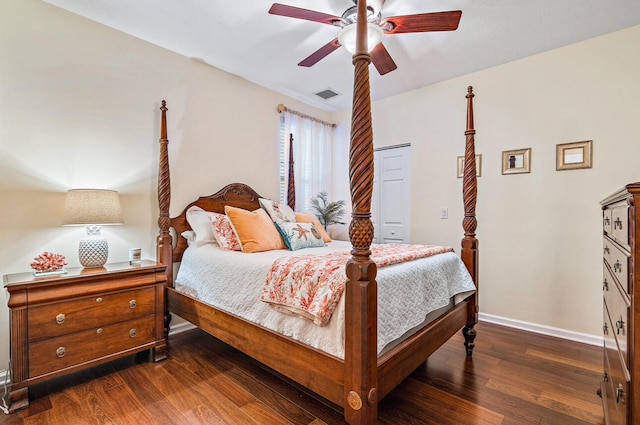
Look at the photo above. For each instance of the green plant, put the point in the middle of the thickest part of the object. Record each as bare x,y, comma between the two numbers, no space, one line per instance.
327,212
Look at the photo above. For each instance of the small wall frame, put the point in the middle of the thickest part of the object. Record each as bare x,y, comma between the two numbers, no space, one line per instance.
478,165
516,161
574,156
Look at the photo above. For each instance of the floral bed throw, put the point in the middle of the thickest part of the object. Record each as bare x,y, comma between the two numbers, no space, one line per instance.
311,285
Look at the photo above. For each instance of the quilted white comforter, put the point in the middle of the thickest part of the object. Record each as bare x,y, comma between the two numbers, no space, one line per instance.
233,281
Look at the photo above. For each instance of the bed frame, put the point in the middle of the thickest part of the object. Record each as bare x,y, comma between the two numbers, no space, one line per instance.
362,378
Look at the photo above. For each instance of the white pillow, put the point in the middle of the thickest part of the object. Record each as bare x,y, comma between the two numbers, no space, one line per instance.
190,236
277,210
200,222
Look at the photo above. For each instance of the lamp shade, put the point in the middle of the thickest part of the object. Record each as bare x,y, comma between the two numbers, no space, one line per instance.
347,36
92,207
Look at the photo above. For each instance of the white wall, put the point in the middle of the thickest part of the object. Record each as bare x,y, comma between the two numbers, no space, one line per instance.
79,106
540,234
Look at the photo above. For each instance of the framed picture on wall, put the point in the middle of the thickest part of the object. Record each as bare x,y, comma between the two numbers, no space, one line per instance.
573,156
478,165
516,161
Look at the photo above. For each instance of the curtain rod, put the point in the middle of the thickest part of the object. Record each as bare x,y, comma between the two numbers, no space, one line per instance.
282,108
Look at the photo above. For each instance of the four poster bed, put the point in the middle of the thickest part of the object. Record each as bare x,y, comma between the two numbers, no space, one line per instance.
359,372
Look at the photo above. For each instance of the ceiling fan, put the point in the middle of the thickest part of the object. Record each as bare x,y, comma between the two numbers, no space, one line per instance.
377,26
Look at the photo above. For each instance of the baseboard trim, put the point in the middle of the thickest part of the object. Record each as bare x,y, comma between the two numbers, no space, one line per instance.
181,327
542,329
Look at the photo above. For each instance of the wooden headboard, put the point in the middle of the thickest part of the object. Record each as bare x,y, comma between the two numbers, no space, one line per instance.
237,195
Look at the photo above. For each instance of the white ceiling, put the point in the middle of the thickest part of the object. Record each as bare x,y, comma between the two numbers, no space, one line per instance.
240,37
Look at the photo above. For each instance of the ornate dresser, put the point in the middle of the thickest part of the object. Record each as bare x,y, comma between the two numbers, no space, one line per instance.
620,386
61,324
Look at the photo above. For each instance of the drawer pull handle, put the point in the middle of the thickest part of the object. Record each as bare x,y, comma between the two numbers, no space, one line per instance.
617,223
60,318
617,267
132,333
605,285
605,329
605,377
132,304
99,299
99,330
607,221
606,250
60,352
620,394
620,326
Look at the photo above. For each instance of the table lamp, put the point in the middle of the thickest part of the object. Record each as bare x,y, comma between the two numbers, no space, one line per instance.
92,208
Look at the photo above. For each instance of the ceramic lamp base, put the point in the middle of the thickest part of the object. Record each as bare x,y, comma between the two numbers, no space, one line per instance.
93,251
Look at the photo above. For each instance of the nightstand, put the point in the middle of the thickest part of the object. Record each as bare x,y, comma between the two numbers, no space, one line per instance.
63,323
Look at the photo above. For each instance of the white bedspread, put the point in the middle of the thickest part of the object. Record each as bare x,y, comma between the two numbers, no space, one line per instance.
233,281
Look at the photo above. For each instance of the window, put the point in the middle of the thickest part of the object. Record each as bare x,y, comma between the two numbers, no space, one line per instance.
312,143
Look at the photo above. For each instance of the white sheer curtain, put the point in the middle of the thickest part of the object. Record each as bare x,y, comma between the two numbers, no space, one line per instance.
312,144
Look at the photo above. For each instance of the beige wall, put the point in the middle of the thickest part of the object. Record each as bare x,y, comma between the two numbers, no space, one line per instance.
540,235
79,106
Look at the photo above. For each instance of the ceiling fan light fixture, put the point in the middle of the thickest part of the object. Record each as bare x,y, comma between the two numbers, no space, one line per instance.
347,37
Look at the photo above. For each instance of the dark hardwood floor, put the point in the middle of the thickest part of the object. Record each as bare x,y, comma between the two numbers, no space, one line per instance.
514,378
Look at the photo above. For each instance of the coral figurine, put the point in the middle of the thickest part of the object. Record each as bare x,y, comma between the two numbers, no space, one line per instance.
48,262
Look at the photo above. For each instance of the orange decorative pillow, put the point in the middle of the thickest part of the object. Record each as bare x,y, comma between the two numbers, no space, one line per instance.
254,229
310,217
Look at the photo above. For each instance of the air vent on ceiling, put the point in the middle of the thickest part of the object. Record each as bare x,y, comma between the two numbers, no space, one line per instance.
327,94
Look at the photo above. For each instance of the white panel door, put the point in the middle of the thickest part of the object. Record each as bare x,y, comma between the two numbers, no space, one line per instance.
391,206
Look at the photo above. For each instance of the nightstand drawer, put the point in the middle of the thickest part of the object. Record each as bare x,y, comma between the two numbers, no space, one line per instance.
54,354
90,312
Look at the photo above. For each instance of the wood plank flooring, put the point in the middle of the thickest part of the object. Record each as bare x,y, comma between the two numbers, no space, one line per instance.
513,378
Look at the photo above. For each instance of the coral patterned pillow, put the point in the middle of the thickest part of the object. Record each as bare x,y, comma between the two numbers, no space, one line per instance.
223,232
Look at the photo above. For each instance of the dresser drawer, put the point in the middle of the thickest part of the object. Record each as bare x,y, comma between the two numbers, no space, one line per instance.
618,262
89,312
620,224
617,392
608,395
606,221
50,355
618,310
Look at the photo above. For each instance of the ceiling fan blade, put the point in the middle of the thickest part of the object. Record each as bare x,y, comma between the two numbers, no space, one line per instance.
321,53
423,22
382,60
306,14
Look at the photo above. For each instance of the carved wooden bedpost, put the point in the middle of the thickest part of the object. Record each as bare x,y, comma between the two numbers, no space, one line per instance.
361,315
164,241
291,187
469,253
